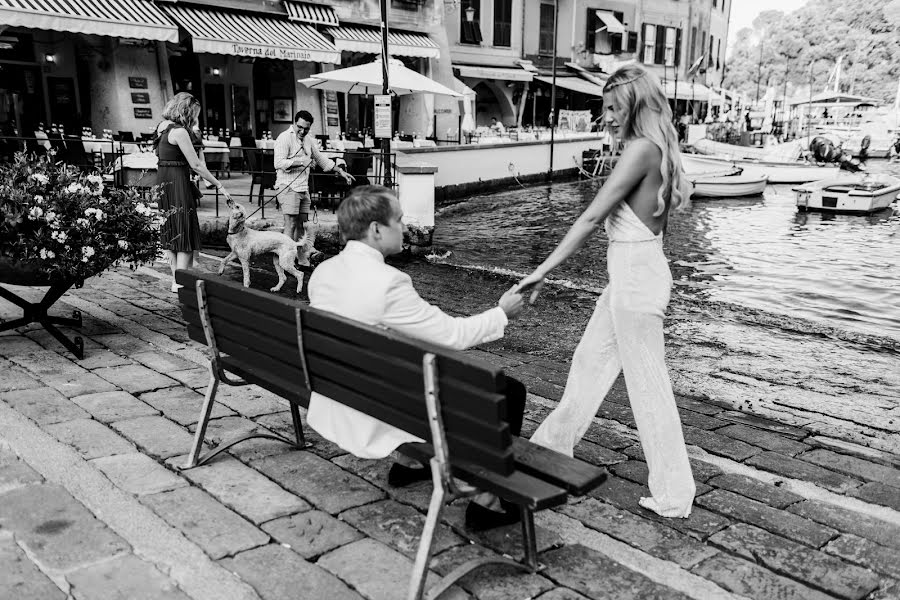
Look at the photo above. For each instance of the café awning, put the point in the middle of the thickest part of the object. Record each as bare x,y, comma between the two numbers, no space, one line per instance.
244,34
574,84
696,92
610,23
139,19
368,40
501,73
310,13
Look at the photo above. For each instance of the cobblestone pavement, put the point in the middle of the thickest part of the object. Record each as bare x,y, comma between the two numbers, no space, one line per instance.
792,504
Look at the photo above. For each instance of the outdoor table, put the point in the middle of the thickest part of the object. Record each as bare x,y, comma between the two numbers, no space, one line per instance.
265,144
137,169
352,144
217,155
43,139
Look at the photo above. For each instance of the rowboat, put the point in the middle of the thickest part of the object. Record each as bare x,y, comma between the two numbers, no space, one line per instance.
859,194
777,172
728,186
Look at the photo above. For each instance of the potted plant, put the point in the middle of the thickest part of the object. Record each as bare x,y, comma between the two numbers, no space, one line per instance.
58,227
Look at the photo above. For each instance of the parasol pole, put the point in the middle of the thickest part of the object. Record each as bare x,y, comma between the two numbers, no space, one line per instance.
386,90
553,91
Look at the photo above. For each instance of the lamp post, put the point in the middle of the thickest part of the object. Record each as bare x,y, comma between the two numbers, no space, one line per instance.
553,91
759,70
386,90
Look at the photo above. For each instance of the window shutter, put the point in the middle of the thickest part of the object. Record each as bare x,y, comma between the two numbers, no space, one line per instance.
643,41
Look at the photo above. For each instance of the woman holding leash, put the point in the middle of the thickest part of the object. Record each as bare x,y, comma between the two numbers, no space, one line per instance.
176,147
626,330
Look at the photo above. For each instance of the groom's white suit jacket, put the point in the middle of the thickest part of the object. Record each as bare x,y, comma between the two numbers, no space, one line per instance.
357,284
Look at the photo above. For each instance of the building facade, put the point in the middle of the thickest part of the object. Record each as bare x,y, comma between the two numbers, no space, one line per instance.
504,50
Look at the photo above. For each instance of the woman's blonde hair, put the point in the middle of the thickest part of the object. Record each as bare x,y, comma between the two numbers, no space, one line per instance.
181,110
647,115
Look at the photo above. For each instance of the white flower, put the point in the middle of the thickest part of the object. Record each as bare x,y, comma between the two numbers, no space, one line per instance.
103,201
59,236
75,188
40,178
82,222
142,209
45,254
38,199
95,179
36,213
86,253
95,212
123,244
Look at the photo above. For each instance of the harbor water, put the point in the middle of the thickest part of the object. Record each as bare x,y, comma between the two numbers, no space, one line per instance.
834,272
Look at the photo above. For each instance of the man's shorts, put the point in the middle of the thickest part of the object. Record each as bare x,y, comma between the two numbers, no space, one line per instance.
296,203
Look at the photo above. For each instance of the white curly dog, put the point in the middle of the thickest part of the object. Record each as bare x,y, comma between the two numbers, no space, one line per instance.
245,243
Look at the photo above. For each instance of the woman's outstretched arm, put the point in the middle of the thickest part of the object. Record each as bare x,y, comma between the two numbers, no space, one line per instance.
633,165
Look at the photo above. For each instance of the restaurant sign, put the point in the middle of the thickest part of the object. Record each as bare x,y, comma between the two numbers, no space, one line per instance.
265,51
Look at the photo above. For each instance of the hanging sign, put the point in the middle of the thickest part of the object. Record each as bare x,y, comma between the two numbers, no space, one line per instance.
382,119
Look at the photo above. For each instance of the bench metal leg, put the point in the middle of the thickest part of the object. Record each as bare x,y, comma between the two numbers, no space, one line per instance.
529,539
208,400
426,543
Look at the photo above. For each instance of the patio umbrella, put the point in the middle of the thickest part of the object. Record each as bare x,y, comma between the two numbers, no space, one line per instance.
367,79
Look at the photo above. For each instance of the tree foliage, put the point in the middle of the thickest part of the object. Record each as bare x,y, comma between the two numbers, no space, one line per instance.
803,46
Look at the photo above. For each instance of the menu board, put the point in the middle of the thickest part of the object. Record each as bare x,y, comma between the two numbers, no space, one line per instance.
141,112
140,97
382,119
137,82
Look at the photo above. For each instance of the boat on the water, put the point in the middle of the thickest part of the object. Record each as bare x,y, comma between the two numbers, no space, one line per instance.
853,194
776,172
727,186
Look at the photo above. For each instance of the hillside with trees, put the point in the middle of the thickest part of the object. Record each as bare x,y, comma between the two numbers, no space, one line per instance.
805,44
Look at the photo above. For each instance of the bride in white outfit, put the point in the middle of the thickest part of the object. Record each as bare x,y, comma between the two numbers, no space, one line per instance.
626,330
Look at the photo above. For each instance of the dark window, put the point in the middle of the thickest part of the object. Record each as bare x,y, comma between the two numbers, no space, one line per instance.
632,41
615,39
714,3
593,24
470,31
659,53
702,50
693,44
677,47
503,23
545,35
18,46
709,58
718,51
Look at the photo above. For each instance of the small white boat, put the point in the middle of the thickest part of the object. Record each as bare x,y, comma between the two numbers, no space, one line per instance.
777,172
728,186
860,194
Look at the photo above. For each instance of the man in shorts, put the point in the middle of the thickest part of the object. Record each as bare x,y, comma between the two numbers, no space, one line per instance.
295,153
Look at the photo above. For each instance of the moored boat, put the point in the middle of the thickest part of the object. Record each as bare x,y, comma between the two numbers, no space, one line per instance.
860,194
776,172
728,186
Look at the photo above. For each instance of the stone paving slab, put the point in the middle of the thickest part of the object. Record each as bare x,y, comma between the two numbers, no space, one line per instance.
90,438
114,406
120,578
21,577
135,378
156,436
319,481
181,404
245,490
14,472
55,529
138,474
311,533
43,405
277,573
215,528
753,581
791,559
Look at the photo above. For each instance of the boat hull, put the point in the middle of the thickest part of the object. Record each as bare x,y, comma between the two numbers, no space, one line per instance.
841,196
730,186
776,172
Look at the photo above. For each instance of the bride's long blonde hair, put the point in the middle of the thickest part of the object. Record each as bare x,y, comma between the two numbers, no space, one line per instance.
647,115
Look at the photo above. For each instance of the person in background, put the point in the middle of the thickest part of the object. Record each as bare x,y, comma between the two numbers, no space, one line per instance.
176,147
295,153
497,127
359,285
625,333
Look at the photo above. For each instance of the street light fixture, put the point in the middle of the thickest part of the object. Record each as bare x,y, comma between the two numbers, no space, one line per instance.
470,14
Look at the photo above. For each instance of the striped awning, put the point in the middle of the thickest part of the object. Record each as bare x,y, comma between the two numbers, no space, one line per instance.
368,39
311,13
241,34
139,19
574,84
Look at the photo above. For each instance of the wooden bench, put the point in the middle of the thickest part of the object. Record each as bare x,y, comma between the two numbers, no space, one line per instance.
455,402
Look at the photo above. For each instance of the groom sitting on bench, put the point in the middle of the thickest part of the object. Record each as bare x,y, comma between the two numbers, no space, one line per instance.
357,284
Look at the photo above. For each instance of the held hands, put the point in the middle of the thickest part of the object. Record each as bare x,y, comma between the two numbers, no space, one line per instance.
533,283
346,176
512,303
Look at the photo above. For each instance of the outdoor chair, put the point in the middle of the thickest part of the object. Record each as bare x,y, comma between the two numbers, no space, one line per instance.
126,136
262,171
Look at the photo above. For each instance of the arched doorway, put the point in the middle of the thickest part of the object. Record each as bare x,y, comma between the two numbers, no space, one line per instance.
493,99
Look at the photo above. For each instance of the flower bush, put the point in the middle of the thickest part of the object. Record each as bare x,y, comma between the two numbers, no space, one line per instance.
69,226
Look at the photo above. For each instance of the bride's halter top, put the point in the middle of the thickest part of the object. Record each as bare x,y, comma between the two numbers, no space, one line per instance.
623,225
